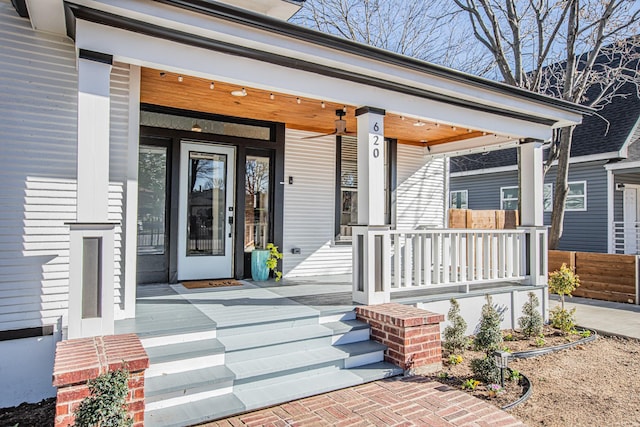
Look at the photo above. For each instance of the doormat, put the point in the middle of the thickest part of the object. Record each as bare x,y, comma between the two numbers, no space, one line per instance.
213,283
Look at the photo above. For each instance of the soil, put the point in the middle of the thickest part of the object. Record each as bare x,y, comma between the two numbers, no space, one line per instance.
595,384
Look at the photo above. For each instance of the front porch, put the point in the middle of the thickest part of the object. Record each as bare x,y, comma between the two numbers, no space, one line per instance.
221,351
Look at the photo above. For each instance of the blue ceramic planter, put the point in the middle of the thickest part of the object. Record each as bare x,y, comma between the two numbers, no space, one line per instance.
259,270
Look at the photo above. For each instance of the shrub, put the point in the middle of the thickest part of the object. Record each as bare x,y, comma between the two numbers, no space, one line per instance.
531,321
563,319
563,282
485,370
272,261
106,406
455,341
489,337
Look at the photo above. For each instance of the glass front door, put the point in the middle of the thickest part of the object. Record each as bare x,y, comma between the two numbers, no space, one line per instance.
206,211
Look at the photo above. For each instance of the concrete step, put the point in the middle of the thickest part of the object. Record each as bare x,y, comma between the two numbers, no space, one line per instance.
303,386
182,357
267,322
176,388
255,340
348,331
194,412
252,373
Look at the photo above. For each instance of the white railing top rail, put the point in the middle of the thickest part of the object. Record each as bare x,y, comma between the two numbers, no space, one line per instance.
447,231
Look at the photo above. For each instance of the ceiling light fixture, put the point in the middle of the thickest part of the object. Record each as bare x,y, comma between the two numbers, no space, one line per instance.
242,92
454,128
402,118
419,124
437,124
180,79
272,96
212,85
322,104
196,128
163,74
298,100
344,108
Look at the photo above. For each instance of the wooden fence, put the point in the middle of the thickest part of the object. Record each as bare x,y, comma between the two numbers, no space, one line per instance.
483,220
608,277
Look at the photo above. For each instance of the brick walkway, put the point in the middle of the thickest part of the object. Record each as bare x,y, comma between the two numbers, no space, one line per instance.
414,401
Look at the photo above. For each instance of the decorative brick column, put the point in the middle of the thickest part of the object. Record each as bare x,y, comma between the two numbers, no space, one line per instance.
82,359
412,335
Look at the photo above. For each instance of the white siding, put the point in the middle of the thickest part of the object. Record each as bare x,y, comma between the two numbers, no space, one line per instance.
309,204
38,115
118,151
420,189
38,140
309,208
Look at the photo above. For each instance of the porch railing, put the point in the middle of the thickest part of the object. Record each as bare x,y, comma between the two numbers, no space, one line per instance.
389,261
626,237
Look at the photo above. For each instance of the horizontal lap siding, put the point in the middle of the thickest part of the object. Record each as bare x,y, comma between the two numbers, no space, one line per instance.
118,150
484,193
419,190
309,208
38,115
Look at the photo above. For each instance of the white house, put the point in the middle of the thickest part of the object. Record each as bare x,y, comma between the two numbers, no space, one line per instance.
161,141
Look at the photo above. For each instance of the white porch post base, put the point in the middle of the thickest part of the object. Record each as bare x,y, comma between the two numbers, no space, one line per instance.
371,266
91,288
536,252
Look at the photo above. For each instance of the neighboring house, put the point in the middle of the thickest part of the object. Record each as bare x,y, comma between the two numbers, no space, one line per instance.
157,142
603,181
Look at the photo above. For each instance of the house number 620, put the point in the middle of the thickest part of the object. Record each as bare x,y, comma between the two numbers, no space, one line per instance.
376,141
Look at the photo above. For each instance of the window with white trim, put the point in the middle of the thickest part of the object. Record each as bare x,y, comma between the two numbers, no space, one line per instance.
547,197
509,198
577,196
459,199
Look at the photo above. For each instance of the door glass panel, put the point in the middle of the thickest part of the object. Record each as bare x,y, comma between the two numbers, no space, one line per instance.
152,191
256,211
206,206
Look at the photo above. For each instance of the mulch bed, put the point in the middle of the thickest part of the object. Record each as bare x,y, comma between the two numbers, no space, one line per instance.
40,414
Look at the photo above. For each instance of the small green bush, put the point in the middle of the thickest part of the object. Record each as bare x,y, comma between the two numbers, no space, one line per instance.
531,321
489,337
485,370
106,406
563,319
563,282
455,341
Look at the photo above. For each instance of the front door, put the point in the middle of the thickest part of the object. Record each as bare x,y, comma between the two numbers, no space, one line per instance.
206,211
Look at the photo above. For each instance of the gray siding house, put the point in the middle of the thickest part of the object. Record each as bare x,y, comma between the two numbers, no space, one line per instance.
602,206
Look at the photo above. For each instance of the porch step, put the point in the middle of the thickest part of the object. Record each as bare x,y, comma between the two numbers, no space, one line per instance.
299,387
182,357
338,357
268,322
174,389
198,411
348,331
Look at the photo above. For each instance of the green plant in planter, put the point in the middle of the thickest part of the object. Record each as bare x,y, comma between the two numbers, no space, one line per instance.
106,406
563,282
272,260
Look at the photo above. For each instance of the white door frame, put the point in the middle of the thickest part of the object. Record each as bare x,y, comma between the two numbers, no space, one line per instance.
631,216
205,266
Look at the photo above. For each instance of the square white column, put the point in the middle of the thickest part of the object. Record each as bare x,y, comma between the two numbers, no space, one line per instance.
531,184
371,174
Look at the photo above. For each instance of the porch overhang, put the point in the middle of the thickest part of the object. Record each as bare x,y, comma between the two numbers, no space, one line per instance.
225,45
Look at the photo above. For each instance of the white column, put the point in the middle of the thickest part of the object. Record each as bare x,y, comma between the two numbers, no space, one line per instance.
532,211
94,72
371,265
91,248
371,174
531,184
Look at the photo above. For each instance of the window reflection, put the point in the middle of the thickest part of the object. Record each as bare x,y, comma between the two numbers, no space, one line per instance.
257,207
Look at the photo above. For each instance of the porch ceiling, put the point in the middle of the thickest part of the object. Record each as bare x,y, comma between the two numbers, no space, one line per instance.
194,94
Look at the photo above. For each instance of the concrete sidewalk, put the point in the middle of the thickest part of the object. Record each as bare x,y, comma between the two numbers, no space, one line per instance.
608,318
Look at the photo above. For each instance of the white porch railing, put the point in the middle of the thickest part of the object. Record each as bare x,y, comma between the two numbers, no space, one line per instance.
626,237
388,261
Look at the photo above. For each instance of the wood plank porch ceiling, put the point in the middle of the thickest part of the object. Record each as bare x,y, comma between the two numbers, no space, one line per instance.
193,93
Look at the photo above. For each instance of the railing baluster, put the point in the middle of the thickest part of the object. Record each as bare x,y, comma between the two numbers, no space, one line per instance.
508,242
417,260
407,261
446,257
471,256
397,272
437,256
428,261
464,241
453,270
